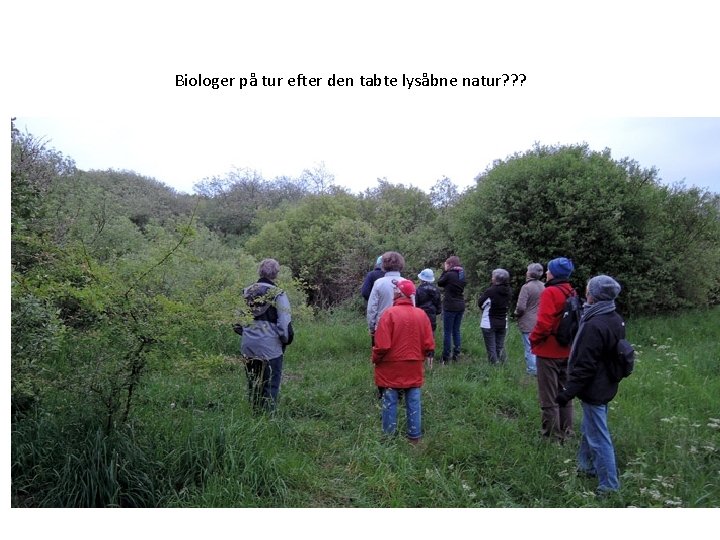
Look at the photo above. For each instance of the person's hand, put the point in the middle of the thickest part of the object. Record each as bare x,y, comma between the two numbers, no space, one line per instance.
562,399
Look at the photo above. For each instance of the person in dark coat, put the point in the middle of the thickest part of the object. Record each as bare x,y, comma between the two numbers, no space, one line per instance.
494,304
595,345
428,297
371,277
452,280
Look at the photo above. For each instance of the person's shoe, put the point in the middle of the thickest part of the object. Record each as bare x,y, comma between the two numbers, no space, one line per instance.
581,473
605,493
414,440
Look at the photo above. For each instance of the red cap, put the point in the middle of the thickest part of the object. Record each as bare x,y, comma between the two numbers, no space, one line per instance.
405,286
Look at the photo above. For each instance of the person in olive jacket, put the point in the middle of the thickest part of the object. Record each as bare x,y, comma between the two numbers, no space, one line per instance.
595,345
453,281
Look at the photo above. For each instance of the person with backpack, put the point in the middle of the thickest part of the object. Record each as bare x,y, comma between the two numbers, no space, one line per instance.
591,378
551,355
264,339
494,304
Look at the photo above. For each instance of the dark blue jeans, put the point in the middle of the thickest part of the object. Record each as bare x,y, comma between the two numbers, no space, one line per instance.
451,333
495,344
264,382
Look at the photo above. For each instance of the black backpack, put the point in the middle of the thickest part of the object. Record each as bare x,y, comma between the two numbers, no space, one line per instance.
570,321
260,300
622,363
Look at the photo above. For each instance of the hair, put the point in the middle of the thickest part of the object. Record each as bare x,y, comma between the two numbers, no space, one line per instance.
269,269
392,261
500,276
452,261
535,270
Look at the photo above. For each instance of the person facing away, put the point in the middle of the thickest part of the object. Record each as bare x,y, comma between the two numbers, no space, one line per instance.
427,296
452,280
595,344
526,311
494,304
371,277
381,294
264,340
551,357
403,340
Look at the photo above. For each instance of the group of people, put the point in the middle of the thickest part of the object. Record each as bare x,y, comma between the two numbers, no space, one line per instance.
402,319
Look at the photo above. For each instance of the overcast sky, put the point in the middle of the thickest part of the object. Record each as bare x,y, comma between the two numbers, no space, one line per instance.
98,80
180,153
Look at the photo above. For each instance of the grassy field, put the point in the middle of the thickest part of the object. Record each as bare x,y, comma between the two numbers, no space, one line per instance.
481,448
193,441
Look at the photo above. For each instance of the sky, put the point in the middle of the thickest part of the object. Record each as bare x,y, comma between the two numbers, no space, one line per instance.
181,154
98,80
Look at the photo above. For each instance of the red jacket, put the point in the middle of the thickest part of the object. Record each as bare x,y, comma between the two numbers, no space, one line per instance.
542,337
403,339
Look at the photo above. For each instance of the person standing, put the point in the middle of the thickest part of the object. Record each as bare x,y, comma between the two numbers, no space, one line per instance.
371,277
552,358
381,294
428,297
595,346
526,311
403,340
494,304
264,339
452,280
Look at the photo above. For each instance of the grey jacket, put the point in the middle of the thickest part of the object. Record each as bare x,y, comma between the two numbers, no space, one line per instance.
381,298
527,304
264,339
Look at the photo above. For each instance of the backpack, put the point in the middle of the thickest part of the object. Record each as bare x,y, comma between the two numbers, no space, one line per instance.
570,321
623,363
260,301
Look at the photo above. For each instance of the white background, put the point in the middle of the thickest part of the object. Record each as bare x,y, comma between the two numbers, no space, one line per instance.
110,68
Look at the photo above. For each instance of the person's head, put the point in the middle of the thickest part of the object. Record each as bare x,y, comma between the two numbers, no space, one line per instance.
601,288
534,271
452,261
560,268
269,269
426,275
403,287
378,262
392,261
500,276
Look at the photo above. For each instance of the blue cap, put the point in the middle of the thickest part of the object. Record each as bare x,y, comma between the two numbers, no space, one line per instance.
561,267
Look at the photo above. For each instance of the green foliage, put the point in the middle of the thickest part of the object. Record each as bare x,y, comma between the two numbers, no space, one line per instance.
127,388
608,216
324,241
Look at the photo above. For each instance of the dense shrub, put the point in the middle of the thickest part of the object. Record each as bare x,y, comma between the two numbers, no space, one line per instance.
609,216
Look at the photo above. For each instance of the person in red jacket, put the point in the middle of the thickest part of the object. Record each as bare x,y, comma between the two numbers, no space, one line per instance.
552,358
403,339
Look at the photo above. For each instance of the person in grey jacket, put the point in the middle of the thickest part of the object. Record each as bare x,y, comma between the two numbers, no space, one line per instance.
264,340
526,311
382,293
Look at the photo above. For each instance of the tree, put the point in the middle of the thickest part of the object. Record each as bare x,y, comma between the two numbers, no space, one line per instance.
608,216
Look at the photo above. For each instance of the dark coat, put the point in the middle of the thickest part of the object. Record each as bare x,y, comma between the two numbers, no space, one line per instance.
495,303
370,278
427,298
595,346
453,281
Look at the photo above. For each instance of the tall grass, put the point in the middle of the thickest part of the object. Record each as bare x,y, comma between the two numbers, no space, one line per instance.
193,441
